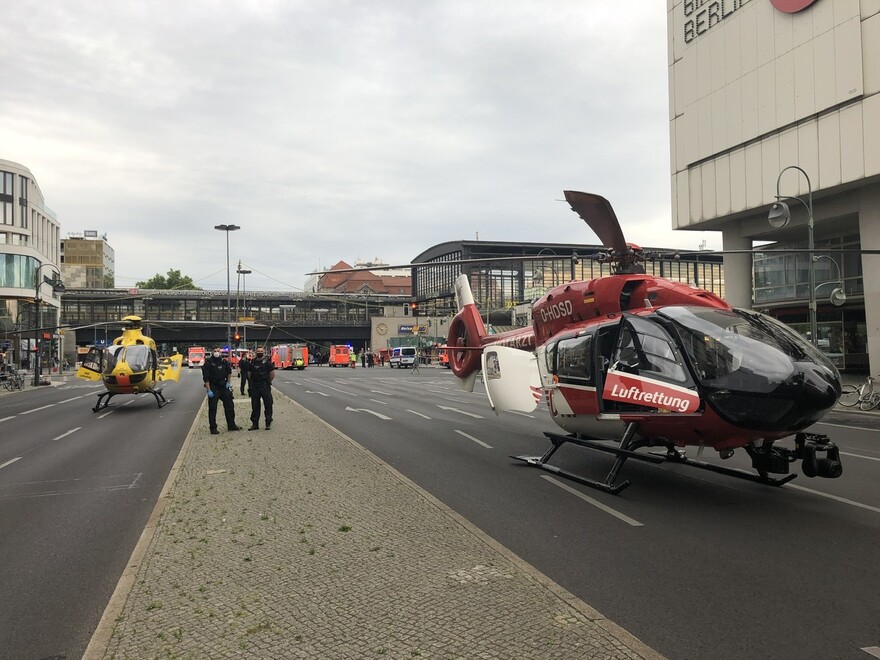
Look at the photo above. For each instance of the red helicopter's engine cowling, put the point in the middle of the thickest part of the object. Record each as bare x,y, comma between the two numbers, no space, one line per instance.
465,341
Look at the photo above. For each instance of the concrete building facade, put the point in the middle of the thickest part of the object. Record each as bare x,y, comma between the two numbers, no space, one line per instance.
782,97
30,251
87,261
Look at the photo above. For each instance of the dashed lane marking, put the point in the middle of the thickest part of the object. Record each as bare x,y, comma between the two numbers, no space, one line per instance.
470,437
596,503
33,410
384,403
868,458
835,497
476,416
367,410
7,418
105,414
9,462
872,650
67,433
409,411
314,392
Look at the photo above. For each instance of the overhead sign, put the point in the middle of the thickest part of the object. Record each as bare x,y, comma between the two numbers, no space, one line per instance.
405,329
132,292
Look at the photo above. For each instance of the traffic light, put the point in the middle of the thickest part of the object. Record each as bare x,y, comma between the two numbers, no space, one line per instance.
236,340
415,308
406,310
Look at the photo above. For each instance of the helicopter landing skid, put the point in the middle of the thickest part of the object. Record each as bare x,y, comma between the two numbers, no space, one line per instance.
674,456
626,449
161,401
104,398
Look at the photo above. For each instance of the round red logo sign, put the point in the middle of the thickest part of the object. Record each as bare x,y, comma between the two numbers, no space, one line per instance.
791,6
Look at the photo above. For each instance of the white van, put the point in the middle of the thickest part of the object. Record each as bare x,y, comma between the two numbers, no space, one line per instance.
402,356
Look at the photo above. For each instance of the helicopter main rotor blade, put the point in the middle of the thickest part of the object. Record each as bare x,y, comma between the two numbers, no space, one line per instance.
596,211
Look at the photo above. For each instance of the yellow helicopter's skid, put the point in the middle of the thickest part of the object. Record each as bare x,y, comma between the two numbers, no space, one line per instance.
104,397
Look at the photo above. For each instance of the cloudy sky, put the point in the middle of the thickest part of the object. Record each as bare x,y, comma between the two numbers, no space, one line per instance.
335,130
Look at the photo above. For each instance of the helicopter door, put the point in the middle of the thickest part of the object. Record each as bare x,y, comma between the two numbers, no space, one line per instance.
647,373
91,365
512,379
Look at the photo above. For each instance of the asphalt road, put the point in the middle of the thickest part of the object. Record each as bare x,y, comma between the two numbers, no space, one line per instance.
76,490
694,563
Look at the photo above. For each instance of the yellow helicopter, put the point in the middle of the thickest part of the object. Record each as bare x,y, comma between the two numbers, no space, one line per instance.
130,365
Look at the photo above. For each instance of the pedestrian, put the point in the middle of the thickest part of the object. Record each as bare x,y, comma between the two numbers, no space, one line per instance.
244,364
352,359
363,359
216,374
370,360
261,373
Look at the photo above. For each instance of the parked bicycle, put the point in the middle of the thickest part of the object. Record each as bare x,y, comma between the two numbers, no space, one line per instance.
864,396
12,381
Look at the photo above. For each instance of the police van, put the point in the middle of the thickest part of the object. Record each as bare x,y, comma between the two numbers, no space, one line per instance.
402,356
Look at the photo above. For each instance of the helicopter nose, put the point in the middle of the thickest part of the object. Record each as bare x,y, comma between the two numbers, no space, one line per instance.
819,389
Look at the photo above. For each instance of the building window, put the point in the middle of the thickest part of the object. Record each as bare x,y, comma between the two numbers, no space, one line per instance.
23,201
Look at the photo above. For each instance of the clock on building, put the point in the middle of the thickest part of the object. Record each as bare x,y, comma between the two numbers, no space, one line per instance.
382,329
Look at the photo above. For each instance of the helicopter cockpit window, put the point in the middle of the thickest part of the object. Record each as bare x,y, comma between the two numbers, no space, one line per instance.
735,349
111,355
574,360
138,358
644,348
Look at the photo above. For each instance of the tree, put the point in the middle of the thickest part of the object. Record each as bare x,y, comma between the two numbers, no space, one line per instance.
174,280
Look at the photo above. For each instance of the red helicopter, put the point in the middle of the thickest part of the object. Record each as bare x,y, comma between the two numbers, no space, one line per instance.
647,362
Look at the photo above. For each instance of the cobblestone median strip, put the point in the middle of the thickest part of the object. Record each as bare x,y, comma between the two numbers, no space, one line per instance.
297,543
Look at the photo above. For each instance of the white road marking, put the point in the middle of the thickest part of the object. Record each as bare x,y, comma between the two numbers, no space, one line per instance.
367,410
844,426
381,392
336,389
33,410
129,402
105,414
384,403
67,433
470,437
314,392
869,458
872,650
460,411
407,410
9,462
836,498
7,418
596,503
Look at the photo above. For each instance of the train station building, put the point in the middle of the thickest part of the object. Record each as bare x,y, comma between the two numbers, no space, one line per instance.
779,100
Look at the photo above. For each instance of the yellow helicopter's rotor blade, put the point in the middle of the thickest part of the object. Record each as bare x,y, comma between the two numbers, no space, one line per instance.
169,367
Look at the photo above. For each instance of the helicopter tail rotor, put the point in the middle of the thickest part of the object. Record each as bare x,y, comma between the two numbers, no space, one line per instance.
465,334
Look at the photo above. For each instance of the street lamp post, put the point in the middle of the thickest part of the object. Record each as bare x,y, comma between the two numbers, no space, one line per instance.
57,287
227,229
779,217
241,273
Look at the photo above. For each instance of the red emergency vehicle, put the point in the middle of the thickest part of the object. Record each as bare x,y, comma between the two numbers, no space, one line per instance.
290,356
195,356
339,356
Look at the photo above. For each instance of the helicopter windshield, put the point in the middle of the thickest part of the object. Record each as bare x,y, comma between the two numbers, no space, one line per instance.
137,358
111,356
738,349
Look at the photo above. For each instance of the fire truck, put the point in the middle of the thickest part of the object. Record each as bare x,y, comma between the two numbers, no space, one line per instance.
339,356
290,356
195,356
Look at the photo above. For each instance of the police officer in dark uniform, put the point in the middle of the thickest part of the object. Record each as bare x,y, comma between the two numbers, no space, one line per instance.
216,373
244,365
261,373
